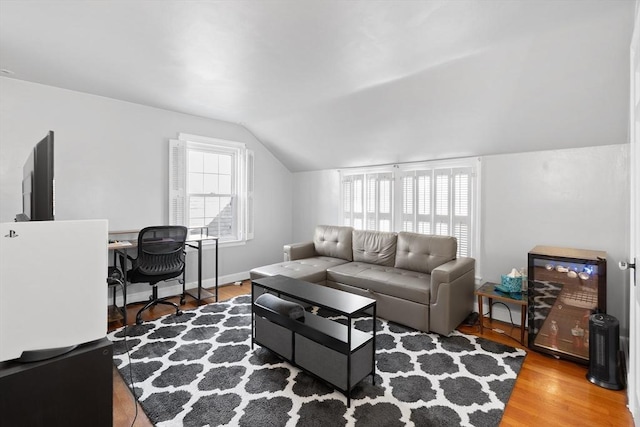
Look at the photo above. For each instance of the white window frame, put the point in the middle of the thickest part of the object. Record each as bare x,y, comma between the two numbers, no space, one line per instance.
242,183
449,215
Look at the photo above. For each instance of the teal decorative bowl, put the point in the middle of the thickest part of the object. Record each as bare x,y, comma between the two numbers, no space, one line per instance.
511,284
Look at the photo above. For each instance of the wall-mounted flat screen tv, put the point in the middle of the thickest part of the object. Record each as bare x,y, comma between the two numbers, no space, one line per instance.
38,183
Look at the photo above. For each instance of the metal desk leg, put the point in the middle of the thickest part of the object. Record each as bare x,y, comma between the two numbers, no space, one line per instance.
203,293
124,284
216,270
199,269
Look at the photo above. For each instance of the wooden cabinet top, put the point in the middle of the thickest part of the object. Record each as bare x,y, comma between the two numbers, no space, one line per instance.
553,251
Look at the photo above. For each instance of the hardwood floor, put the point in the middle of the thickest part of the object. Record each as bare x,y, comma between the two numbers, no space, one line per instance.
548,391
554,392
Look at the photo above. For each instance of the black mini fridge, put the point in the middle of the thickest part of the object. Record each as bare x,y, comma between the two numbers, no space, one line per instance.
565,287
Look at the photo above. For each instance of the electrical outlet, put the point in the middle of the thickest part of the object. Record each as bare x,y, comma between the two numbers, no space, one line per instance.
237,283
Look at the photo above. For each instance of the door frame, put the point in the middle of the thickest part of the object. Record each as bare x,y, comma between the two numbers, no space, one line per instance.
633,377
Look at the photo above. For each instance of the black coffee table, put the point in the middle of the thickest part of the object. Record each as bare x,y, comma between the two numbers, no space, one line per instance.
332,351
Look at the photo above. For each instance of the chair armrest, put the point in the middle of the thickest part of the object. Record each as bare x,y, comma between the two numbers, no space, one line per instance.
123,257
449,272
123,254
302,250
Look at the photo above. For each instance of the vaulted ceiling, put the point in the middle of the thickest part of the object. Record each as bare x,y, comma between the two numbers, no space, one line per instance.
327,84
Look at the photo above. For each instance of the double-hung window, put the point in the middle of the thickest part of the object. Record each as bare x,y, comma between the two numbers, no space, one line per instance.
430,198
211,182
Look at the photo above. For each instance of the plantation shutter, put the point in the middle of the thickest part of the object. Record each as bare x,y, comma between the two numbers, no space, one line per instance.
379,201
177,184
407,215
439,202
441,205
417,201
347,201
367,201
423,202
379,215
427,198
384,197
357,214
461,218
372,202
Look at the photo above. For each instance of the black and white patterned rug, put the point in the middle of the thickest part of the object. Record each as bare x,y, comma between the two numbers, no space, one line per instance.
199,369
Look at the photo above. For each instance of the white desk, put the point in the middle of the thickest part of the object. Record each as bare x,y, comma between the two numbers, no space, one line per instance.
194,240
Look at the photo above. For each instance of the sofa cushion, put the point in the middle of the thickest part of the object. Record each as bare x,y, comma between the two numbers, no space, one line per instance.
333,241
421,252
374,247
308,269
409,285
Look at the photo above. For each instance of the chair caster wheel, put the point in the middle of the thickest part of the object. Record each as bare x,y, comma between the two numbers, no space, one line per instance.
138,321
179,313
182,301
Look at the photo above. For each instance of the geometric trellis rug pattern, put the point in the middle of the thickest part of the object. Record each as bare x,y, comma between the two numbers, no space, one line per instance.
199,369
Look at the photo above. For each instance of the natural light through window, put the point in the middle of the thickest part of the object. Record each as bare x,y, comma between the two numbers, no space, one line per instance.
211,186
427,198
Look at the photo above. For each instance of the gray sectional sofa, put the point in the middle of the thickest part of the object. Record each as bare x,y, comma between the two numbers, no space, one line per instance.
416,279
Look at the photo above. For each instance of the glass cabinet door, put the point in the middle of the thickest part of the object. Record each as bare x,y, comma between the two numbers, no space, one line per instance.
566,286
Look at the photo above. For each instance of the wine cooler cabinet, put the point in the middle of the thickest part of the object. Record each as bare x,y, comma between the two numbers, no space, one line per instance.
565,287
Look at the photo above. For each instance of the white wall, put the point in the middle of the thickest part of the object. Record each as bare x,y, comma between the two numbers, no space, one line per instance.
576,198
112,156
316,196
111,162
572,198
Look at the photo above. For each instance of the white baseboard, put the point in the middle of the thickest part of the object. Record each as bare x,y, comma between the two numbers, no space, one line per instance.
139,292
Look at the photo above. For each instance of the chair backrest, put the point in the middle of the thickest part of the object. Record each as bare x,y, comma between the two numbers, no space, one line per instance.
161,250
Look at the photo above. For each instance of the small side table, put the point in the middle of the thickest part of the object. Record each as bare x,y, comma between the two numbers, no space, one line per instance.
489,291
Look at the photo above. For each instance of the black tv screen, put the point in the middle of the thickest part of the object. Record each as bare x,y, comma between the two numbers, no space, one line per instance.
38,183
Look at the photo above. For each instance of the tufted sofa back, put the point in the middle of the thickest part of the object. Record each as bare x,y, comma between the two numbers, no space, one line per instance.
419,252
333,241
374,247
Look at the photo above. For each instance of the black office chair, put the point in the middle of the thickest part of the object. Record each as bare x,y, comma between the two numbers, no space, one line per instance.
161,256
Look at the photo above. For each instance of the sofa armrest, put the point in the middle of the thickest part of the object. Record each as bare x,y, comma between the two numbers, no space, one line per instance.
295,251
452,286
449,272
